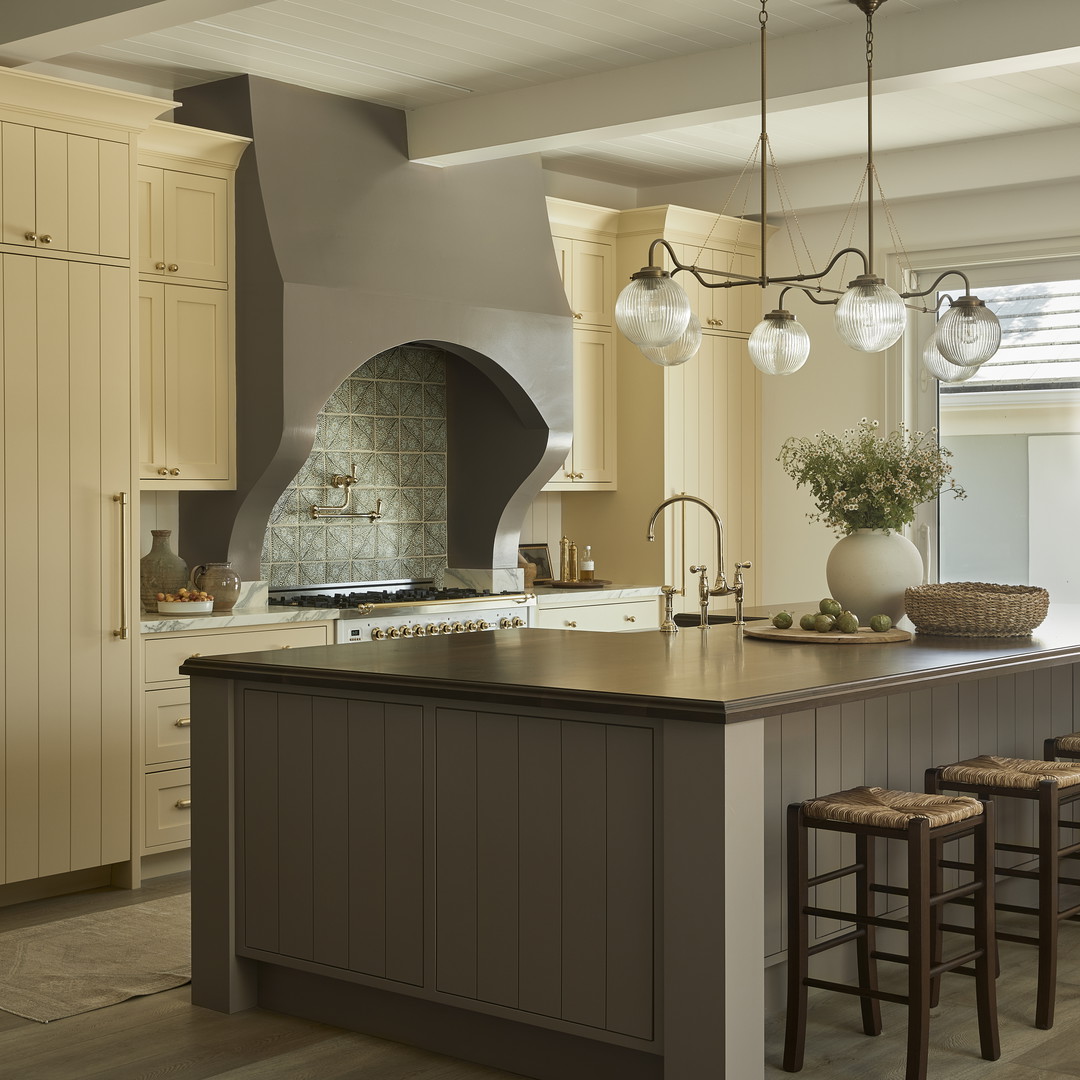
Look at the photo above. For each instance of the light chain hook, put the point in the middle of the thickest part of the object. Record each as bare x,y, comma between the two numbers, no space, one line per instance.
763,15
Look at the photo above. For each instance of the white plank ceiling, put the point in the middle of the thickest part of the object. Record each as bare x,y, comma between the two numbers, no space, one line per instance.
443,57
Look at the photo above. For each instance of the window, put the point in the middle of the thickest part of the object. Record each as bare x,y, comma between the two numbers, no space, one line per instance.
1014,430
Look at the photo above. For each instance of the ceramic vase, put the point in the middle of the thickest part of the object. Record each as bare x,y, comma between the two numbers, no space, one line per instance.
220,580
160,570
869,570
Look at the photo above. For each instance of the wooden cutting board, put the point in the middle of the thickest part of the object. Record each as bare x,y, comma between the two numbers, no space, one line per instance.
796,634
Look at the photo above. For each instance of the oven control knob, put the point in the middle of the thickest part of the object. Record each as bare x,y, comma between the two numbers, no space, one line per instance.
504,623
483,624
393,632
419,631
432,628
378,634
517,622
471,626
459,628
406,631
445,628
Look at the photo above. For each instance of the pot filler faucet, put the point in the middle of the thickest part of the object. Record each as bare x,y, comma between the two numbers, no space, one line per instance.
704,592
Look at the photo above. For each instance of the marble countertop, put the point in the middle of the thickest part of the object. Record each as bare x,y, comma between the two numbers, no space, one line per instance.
546,594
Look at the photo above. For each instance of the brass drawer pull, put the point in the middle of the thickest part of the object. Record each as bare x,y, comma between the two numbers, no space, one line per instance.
571,623
630,618
184,721
194,654
183,804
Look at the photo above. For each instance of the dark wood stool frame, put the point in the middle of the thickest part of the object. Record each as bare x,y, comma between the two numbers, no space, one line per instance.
1052,751
1050,798
925,965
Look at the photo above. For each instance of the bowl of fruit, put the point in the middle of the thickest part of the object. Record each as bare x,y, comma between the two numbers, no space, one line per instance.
185,602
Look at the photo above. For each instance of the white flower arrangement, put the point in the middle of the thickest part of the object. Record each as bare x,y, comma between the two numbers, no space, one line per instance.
860,480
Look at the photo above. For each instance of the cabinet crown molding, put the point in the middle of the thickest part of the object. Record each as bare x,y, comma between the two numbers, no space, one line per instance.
42,96
198,145
681,223
579,215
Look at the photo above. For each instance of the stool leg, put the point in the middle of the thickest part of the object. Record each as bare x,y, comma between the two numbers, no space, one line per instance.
864,905
937,935
798,939
985,940
919,947
1049,905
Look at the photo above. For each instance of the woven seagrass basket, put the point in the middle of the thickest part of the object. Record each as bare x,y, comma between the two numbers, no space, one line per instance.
976,609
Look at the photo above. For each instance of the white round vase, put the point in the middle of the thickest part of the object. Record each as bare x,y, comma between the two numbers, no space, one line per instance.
869,570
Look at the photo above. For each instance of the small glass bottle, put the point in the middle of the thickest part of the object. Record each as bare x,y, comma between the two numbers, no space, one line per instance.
588,567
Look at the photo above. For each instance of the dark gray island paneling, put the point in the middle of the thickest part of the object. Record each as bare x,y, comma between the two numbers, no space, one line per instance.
554,852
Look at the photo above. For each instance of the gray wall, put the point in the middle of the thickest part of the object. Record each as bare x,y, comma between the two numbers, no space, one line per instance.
345,249
984,537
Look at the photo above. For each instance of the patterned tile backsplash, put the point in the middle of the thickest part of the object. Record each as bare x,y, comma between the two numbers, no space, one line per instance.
389,419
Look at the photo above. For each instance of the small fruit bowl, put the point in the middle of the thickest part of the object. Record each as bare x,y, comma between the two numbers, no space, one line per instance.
185,607
185,602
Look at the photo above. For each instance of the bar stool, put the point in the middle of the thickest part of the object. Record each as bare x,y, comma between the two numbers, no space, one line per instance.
924,822
1062,746
1052,785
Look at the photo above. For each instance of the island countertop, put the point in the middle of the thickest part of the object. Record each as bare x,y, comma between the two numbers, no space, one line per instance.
716,676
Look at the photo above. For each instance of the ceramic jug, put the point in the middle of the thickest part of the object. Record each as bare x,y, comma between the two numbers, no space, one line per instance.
220,580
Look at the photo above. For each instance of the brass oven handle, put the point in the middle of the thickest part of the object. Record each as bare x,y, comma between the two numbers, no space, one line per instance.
122,499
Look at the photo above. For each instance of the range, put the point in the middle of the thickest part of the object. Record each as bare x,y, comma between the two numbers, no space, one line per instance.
409,609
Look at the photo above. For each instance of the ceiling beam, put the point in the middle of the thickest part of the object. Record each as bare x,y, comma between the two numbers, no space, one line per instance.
42,31
946,43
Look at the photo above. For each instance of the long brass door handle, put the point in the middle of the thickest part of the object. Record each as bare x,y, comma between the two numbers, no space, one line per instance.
122,499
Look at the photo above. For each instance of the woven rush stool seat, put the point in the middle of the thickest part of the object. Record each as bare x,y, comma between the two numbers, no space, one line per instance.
1066,746
925,822
1052,785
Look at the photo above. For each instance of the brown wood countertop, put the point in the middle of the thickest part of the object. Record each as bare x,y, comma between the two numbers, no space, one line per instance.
715,676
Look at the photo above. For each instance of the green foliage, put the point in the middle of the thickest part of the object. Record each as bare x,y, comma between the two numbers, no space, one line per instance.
860,480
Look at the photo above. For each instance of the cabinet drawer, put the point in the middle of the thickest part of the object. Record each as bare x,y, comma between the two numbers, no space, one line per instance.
167,807
167,725
163,656
638,615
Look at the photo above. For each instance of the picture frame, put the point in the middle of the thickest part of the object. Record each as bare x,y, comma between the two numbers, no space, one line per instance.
539,556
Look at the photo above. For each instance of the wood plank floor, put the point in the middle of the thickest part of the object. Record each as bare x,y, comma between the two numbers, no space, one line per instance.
165,1037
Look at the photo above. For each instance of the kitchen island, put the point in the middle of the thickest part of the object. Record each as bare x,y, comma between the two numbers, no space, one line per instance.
553,852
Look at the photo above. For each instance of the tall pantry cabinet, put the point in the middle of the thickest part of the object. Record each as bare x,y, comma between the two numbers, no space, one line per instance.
67,473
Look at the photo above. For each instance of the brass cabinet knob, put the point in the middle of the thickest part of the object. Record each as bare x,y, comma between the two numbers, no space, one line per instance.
31,236
579,476
159,266
630,618
194,655
572,623
714,322
286,646
172,268
45,238
163,471
577,314
174,472
378,634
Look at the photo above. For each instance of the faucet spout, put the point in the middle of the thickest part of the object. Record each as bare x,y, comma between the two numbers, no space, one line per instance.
721,587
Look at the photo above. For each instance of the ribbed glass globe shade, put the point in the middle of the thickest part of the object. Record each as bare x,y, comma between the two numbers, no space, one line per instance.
680,350
779,346
870,316
652,311
968,334
940,368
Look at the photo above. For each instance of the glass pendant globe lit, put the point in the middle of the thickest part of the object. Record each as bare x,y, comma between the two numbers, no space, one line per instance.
779,344
870,316
680,350
968,334
940,368
653,310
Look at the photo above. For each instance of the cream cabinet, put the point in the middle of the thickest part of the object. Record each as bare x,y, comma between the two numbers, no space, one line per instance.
585,251
183,225
165,819
185,254
185,385
65,192
598,613
690,429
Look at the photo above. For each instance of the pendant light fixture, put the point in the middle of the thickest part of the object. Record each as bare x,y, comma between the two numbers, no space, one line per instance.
653,311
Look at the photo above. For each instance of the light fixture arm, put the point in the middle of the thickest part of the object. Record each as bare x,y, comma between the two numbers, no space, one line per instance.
937,281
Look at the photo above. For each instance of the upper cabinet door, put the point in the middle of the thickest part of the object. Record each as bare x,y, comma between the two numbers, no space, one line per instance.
588,276
64,192
184,225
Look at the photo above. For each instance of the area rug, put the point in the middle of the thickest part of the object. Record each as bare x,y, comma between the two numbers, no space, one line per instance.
75,965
